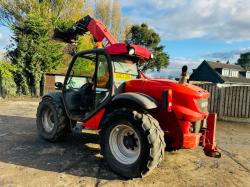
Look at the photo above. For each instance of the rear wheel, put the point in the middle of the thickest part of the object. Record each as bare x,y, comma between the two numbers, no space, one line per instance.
132,142
52,122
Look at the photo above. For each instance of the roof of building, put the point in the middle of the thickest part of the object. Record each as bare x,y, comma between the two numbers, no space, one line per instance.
238,79
219,65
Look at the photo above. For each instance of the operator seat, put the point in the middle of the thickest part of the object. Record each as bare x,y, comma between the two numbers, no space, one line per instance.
87,97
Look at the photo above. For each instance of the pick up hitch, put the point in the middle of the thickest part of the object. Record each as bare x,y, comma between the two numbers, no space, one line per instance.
208,137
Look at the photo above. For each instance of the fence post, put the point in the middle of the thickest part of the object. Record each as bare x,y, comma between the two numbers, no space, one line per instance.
221,103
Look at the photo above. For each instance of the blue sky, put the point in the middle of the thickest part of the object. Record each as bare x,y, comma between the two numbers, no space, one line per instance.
191,30
194,30
4,37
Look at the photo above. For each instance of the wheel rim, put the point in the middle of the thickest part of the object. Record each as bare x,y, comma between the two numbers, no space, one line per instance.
48,120
125,144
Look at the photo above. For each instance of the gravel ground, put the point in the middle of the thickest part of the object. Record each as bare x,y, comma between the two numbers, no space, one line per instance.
26,160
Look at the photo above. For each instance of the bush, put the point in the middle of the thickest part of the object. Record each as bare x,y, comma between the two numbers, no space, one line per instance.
7,83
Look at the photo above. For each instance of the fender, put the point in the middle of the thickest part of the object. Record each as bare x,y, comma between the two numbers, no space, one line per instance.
56,96
143,100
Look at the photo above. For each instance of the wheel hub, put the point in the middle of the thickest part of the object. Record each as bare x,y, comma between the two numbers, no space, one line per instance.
129,141
48,120
124,144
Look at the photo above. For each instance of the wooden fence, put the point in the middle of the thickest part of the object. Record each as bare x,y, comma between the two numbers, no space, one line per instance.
230,103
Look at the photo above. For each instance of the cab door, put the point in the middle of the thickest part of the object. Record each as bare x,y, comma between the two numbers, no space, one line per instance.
88,84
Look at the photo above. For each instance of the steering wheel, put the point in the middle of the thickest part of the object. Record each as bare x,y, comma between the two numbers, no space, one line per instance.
89,80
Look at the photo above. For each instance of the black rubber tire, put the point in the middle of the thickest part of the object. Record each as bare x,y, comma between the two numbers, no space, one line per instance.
61,127
151,137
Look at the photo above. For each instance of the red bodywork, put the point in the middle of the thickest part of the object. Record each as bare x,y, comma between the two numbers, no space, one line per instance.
100,32
178,119
178,123
121,48
93,123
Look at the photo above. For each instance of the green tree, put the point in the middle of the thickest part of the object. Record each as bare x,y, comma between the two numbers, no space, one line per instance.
244,60
85,42
13,12
147,37
35,53
7,84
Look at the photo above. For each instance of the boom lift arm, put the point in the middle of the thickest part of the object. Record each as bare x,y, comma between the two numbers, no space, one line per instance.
98,30
103,38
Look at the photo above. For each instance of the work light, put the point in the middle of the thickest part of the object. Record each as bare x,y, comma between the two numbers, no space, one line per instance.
131,51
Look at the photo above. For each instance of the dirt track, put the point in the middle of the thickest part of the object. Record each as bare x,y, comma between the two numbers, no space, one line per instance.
26,160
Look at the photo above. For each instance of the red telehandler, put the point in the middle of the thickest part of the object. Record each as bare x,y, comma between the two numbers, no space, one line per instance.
105,90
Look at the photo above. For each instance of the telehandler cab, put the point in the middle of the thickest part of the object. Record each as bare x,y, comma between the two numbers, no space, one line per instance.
105,90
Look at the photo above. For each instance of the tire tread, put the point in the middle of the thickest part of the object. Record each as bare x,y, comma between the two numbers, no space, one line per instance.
151,129
62,123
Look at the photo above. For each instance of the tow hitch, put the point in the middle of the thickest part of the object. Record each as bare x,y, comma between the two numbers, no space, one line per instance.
208,137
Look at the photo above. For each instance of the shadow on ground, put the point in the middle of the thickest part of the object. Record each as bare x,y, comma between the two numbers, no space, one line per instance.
20,145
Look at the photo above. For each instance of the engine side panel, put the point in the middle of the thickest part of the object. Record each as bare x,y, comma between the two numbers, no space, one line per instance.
176,124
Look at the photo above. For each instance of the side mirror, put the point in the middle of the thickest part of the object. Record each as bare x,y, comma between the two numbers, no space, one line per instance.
58,86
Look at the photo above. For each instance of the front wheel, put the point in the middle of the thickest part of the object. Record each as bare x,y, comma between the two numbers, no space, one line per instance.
132,142
52,121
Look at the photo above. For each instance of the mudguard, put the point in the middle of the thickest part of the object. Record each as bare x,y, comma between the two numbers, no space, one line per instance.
144,101
56,96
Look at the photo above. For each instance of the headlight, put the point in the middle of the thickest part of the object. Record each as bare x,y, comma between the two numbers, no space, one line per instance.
203,104
131,51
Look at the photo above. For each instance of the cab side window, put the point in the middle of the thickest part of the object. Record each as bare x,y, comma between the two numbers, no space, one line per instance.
102,72
102,80
82,70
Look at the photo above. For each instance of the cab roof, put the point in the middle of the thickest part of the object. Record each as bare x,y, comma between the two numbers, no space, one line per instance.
121,48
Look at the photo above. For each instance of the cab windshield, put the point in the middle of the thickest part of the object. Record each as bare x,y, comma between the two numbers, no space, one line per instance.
125,65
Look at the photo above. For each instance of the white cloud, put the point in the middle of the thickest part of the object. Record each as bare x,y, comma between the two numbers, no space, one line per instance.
1,36
174,68
224,56
226,20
